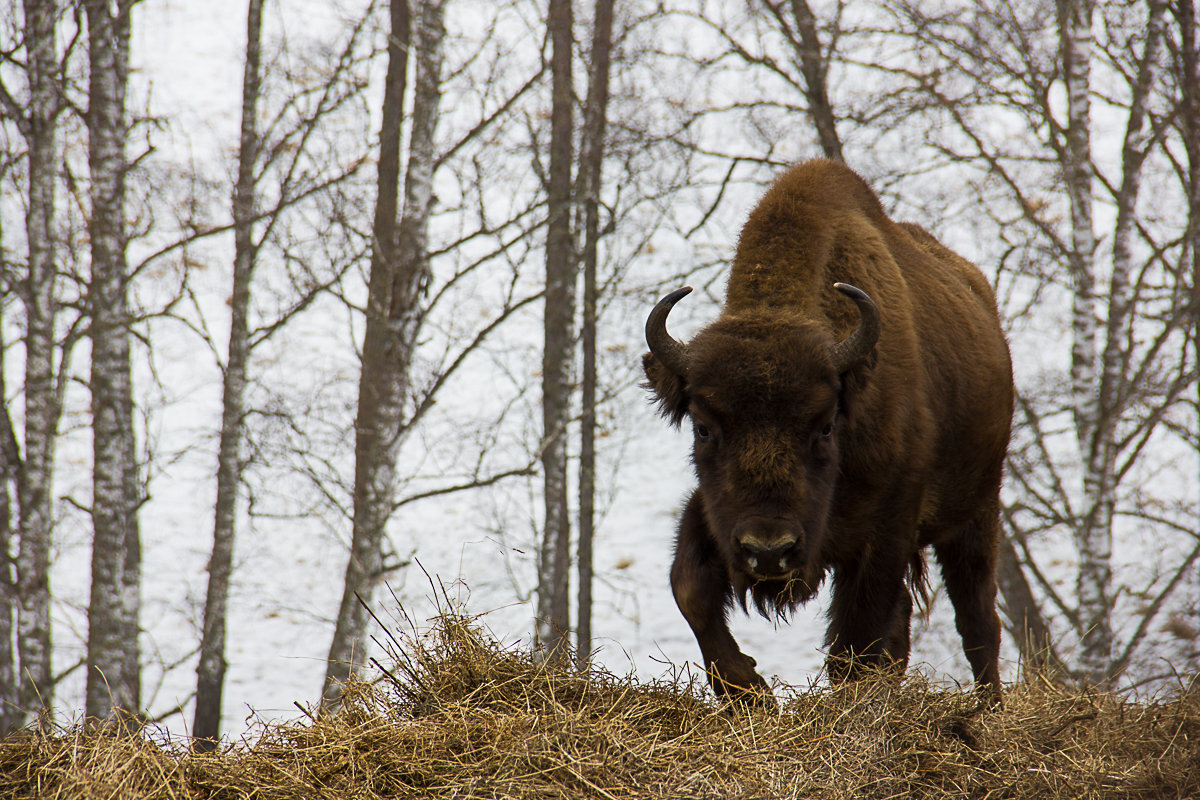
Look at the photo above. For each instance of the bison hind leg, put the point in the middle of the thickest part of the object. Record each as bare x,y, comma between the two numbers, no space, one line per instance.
891,662
898,642
869,620
968,563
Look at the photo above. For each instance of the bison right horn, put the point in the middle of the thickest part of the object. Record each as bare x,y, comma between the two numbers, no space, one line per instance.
670,352
858,345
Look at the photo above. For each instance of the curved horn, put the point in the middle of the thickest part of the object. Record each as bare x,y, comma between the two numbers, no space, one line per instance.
858,345
670,352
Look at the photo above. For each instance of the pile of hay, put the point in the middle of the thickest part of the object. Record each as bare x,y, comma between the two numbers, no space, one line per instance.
459,716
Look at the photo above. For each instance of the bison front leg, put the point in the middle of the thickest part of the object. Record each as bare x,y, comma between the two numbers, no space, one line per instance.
700,583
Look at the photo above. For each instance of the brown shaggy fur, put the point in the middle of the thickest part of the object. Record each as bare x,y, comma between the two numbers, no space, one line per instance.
805,472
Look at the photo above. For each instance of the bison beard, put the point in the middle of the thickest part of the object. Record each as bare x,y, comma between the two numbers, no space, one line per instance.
839,439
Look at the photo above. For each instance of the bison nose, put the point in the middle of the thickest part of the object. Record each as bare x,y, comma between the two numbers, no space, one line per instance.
775,549
767,556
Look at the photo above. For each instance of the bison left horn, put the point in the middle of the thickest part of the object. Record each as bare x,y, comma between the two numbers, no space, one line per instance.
858,345
670,352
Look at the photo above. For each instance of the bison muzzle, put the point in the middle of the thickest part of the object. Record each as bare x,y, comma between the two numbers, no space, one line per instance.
850,407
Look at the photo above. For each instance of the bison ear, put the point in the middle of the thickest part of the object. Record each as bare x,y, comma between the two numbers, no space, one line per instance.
668,389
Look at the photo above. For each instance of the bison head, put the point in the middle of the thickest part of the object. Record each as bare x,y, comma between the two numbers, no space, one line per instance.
766,393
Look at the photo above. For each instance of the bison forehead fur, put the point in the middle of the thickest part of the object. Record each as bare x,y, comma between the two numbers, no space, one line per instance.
839,438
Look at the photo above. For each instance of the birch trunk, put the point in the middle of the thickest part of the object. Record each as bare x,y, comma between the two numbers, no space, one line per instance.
1101,359
399,275
114,656
10,682
1114,390
1093,532
210,671
594,126
35,494
552,624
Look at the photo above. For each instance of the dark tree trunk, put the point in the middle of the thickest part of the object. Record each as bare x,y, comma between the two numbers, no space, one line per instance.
376,401
815,68
1033,636
553,621
113,677
210,671
1189,117
594,126
399,275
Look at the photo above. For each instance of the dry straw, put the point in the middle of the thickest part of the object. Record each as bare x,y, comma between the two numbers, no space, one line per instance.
459,716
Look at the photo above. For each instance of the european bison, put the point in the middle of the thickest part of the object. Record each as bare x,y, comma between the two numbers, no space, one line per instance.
836,436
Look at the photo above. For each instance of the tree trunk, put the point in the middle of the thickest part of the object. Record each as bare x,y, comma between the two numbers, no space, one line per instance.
816,89
1106,446
399,275
1093,532
1189,117
113,677
594,126
10,681
210,671
1033,636
372,476
35,496
552,626
1100,357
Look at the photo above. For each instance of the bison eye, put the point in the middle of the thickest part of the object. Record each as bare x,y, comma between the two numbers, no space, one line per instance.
702,432
827,431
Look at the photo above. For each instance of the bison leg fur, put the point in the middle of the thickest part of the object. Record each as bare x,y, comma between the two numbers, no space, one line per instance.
869,619
968,563
700,583
898,641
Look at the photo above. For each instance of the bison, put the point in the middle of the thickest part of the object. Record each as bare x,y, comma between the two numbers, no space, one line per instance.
850,406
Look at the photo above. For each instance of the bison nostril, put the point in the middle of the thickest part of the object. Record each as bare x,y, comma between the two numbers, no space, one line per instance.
758,551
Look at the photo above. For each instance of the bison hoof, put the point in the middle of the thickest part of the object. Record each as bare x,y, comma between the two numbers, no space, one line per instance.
745,688
990,697
755,699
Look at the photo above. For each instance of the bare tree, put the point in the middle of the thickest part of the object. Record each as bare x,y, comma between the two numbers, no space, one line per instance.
1098,661
813,62
210,671
114,653
553,624
590,173
378,400
37,119
1187,78
10,681
1094,535
399,275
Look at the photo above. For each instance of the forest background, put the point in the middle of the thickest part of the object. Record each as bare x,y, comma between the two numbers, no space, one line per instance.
303,300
